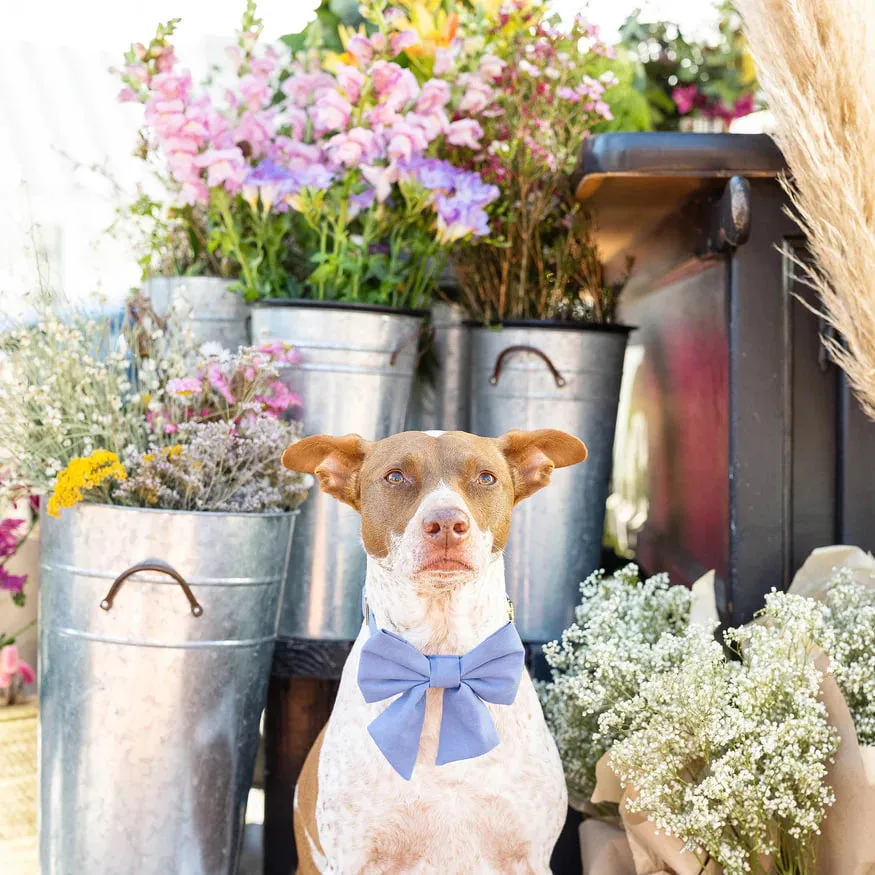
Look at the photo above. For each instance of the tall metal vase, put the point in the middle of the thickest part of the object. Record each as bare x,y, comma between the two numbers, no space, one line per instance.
157,631
218,315
354,375
534,375
439,400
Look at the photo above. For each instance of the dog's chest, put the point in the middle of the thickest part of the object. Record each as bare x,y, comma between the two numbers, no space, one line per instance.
504,809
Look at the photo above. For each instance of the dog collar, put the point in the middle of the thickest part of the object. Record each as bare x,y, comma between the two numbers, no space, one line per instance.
390,665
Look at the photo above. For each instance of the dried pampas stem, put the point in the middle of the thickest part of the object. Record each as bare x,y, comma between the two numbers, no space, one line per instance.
816,63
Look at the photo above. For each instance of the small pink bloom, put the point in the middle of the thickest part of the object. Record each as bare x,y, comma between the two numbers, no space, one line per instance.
382,116
432,125
330,113
405,140
684,98
171,428
172,86
218,380
478,95
443,61
385,74
491,67
567,93
378,41
127,96
224,167
302,88
435,95
350,79
352,148
465,132
9,661
381,178
137,72
184,386
360,48
398,42
256,92
255,128
403,91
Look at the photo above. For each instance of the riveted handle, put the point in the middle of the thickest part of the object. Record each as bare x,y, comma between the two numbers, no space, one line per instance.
499,363
161,568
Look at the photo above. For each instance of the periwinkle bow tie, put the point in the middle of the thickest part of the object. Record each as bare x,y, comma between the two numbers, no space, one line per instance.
390,665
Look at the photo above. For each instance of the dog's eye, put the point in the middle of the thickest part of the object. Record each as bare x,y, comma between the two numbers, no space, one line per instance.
394,477
486,479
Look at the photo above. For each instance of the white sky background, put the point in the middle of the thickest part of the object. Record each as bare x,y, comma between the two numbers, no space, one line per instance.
57,100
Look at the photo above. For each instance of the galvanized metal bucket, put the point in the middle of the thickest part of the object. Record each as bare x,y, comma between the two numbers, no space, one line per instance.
536,375
355,374
217,314
157,631
439,400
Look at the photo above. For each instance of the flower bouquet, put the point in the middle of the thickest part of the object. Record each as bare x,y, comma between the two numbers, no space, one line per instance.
720,764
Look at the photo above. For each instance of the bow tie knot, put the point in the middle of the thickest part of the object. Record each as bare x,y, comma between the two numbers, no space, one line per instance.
445,672
389,665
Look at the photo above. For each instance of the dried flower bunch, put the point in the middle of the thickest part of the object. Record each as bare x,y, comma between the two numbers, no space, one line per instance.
146,417
602,660
816,64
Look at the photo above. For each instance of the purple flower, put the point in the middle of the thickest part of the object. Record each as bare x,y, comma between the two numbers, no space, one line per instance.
9,537
432,173
358,203
12,582
270,181
458,219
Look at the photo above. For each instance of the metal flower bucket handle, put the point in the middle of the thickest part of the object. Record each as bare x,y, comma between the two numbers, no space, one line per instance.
161,568
561,382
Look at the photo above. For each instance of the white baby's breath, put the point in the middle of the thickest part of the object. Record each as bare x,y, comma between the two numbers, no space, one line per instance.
602,660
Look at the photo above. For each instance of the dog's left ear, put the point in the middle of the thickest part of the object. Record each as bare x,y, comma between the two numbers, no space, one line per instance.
532,456
336,462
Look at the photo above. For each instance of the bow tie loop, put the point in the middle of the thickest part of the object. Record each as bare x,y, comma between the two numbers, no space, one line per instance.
390,665
445,672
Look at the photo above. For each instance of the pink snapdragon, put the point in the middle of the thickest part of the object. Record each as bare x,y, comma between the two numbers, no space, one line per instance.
478,95
225,167
491,67
352,148
360,48
465,132
350,79
382,179
435,94
404,140
218,380
330,113
305,88
402,40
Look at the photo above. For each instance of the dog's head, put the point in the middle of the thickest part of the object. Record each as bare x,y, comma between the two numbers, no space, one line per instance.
435,508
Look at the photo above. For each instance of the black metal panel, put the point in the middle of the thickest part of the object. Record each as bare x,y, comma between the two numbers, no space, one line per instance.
738,446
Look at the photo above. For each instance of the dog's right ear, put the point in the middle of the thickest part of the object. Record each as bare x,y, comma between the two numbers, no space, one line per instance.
336,462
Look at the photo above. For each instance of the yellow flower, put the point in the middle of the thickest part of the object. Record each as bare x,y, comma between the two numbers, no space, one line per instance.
436,27
84,473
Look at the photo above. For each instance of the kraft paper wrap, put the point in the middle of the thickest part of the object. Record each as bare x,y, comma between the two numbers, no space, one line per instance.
847,843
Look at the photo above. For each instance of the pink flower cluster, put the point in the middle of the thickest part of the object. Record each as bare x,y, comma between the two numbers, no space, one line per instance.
204,146
369,117
689,99
245,385
10,540
14,670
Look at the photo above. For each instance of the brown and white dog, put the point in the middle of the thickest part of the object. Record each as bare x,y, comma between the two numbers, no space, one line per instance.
436,510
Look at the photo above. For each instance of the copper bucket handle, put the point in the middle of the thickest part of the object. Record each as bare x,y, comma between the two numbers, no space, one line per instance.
561,382
161,568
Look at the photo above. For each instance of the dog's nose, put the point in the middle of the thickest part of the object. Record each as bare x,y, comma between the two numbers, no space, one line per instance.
447,524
